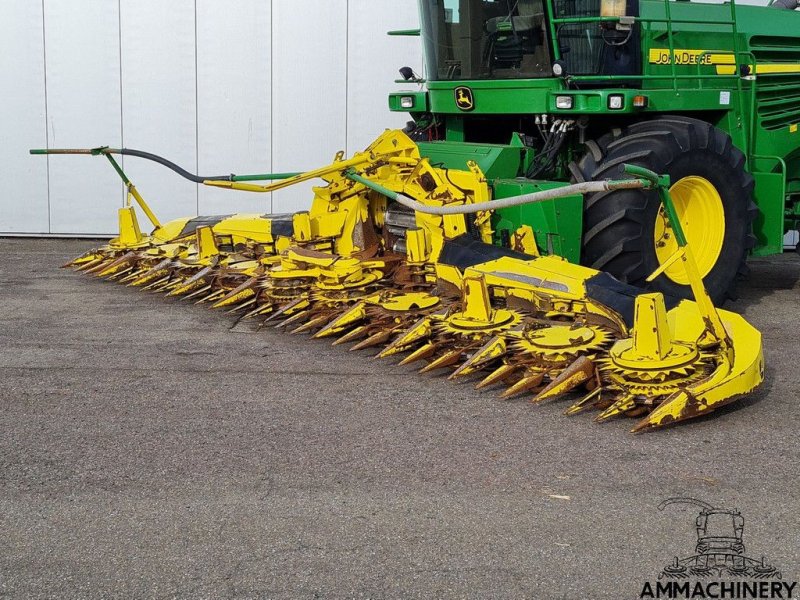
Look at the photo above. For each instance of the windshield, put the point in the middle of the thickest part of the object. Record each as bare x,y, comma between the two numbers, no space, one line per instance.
581,44
485,39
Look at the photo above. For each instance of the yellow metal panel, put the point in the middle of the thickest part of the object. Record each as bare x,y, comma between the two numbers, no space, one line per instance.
651,337
129,233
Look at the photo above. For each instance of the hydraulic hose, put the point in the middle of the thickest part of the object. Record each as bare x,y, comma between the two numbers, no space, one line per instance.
586,187
169,164
105,151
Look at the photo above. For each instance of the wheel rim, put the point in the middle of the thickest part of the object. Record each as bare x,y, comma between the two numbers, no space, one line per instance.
702,217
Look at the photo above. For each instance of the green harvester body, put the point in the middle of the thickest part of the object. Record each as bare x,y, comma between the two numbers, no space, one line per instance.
734,66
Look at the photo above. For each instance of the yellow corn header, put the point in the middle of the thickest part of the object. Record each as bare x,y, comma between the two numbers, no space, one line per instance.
394,255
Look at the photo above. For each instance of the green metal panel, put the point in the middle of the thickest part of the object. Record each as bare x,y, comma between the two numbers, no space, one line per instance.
495,97
769,225
557,224
495,161
420,100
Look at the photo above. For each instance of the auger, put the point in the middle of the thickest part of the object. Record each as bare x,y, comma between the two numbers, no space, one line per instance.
395,254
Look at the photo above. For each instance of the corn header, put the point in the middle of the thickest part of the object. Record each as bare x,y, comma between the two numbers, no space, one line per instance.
395,255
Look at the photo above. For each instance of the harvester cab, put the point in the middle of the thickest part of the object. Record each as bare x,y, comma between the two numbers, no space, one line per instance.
457,243
504,39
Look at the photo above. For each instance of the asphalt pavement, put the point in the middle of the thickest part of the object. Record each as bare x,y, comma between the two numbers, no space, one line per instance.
148,448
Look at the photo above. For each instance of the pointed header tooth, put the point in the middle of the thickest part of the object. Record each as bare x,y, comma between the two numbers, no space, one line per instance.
241,292
157,283
133,275
391,350
240,307
343,320
417,332
374,340
460,372
297,303
295,318
199,292
446,360
675,407
107,262
523,385
181,288
153,274
574,375
621,405
355,334
420,353
211,297
88,265
326,331
493,349
100,266
315,322
234,297
110,270
119,274
497,375
193,281
583,404
84,258
258,310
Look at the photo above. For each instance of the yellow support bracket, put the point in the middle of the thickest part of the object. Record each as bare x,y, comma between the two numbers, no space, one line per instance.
676,256
132,191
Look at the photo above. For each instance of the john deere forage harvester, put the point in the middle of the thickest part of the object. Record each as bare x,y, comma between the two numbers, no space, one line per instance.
653,140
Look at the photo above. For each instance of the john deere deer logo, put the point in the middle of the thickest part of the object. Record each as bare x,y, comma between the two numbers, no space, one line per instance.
464,98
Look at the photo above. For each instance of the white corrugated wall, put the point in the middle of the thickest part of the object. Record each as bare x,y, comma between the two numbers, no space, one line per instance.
214,85
217,86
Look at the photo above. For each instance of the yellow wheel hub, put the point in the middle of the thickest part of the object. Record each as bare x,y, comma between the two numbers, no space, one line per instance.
702,216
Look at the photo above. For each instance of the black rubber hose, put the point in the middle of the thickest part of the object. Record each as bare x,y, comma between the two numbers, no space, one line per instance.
171,165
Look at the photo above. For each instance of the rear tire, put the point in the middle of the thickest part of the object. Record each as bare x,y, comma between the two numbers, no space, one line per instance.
623,233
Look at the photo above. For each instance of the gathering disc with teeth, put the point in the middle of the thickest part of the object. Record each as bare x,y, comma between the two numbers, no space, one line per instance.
656,382
280,291
378,316
458,324
446,338
559,343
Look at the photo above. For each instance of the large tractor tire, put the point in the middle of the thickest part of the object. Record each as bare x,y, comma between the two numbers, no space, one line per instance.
624,231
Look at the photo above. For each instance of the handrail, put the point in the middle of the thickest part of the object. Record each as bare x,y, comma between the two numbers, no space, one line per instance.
668,21
572,20
647,77
639,20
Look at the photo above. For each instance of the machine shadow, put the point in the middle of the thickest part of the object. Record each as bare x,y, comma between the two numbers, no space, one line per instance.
767,276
